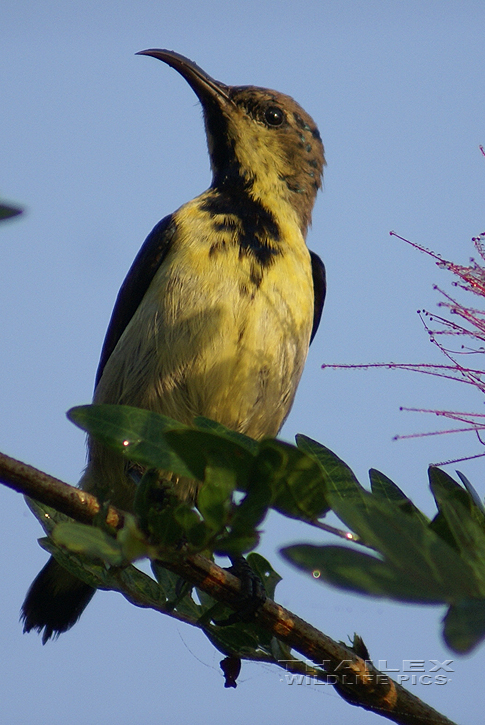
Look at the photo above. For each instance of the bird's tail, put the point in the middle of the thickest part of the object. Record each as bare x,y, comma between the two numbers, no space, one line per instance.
55,601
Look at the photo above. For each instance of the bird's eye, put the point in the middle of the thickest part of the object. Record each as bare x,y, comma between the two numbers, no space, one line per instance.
274,116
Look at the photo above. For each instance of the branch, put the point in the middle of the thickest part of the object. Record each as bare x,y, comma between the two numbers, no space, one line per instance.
69,500
354,678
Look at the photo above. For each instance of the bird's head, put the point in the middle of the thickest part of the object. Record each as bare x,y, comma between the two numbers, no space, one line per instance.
258,139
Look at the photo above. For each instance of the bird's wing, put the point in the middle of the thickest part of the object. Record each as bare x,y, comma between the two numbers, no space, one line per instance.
141,273
319,288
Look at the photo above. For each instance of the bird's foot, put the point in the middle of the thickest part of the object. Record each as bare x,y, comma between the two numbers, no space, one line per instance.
252,595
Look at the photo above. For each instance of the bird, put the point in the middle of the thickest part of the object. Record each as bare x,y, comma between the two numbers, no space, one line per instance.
217,312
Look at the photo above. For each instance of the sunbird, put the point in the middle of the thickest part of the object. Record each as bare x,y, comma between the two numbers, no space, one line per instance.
217,312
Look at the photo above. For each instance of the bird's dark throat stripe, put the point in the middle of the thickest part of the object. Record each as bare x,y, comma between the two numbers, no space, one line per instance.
255,227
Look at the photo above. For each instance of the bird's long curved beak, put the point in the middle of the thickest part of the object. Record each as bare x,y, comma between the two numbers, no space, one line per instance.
206,88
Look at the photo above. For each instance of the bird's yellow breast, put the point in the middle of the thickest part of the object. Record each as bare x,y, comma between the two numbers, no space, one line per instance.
218,333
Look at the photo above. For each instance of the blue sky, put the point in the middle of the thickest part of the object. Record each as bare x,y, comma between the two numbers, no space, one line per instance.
98,145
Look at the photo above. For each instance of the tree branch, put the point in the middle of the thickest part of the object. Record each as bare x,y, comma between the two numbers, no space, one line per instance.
355,679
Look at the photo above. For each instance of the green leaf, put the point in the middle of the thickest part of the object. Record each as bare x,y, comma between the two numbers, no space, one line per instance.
177,592
221,463
214,498
443,482
166,529
358,572
46,515
137,434
89,541
186,605
252,510
199,449
167,580
99,576
334,469
413,553
236,542
464,625
156,509
150,495
384,488
195,531
133,578
297,484
460,522
7,211
243,639
472,491
245,518
440,527
409,545
247,641
206,424
469,538
444,488
164,518
91,572
238,639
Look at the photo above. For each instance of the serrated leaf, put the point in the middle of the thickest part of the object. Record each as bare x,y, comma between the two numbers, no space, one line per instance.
464,625
298,488
358,572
